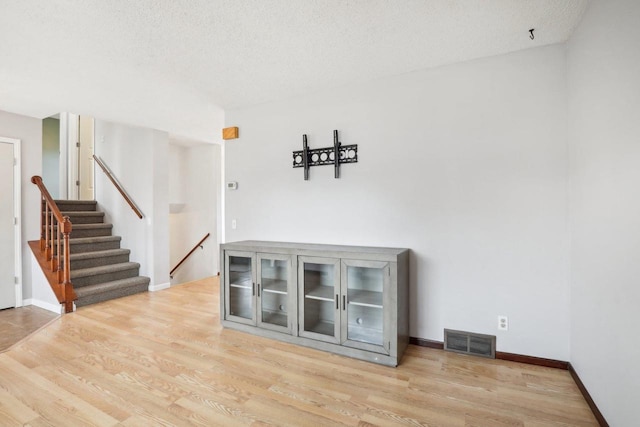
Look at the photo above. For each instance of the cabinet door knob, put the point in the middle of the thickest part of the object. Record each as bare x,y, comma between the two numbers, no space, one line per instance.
337,302
344,302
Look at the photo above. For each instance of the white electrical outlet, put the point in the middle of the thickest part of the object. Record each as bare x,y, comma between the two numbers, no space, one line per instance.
233,224
503,323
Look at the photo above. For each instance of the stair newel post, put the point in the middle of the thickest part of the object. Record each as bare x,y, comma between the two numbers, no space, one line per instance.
68,288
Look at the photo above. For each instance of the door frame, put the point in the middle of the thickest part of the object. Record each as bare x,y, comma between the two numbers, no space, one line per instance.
17,212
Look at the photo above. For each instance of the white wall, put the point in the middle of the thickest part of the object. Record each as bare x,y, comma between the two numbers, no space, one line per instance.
177,173
464,164
29,131
194,179
42,294
138,158
604,135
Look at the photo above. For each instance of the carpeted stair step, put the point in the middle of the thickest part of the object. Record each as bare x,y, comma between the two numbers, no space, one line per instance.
76,205
91,244
104,273
100,269
98,258
92,294
89,230
84,217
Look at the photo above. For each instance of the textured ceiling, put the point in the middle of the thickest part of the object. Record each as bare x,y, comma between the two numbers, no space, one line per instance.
176,65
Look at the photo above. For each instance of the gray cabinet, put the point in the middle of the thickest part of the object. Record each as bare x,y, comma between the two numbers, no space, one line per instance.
239,285
260,290
319,289
344,299
276,296
367,305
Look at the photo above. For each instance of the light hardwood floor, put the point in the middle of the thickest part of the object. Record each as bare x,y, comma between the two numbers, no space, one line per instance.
18,323
162,359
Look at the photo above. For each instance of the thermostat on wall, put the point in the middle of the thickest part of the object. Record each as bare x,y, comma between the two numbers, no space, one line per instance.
233,185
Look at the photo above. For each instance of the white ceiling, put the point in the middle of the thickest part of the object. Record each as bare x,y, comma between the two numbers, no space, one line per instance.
176,65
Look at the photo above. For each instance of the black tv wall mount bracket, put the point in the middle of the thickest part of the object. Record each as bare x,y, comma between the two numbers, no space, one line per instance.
335,156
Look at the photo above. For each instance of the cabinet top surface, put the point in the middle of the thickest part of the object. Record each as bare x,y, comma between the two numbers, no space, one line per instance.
266,245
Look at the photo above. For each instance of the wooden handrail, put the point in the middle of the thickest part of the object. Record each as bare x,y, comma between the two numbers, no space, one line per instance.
189,254
52,220
124,194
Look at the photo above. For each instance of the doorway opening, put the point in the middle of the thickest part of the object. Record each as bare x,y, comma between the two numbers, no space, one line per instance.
67,156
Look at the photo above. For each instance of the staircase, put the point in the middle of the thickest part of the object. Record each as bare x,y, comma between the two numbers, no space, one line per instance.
100,269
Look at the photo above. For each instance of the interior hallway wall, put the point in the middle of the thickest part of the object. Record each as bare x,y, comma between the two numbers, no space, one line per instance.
604,135
139,159
194,177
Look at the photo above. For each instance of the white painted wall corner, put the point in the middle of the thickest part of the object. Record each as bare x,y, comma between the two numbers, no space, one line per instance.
159,287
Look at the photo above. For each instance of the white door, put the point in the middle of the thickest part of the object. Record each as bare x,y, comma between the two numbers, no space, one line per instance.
76,157
85,159
7,227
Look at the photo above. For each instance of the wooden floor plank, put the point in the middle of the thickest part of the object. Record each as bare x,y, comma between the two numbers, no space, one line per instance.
13,411
162,358
18,323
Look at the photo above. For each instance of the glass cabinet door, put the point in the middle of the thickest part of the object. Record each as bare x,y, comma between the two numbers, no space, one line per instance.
319,281
364,288
240,287
274,297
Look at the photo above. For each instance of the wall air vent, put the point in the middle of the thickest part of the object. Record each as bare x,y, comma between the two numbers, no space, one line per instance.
470,343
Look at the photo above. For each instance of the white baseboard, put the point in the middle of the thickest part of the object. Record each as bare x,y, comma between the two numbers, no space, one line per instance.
55,308
159,287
